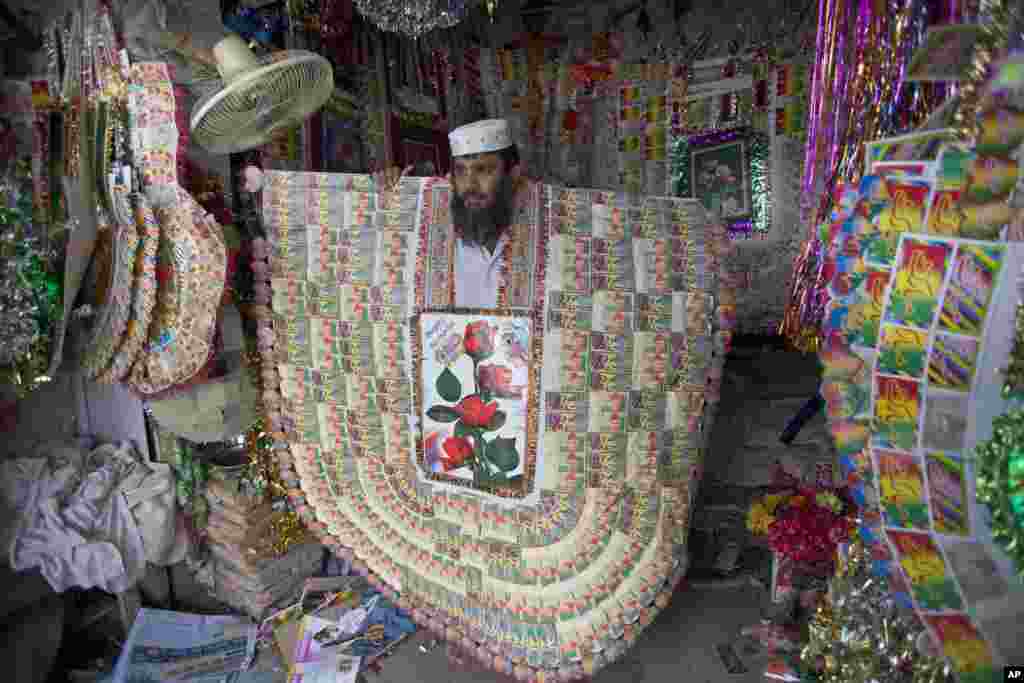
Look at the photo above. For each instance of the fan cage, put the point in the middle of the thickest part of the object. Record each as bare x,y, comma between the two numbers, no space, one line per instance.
278,94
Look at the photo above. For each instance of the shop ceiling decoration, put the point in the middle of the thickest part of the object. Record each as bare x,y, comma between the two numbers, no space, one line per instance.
413,18
518,479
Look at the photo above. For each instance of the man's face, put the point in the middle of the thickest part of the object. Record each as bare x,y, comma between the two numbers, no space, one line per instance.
477,177
483,201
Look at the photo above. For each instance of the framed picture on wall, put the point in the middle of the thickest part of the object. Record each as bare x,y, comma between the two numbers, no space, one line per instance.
728,172
721,178
342,140
426,149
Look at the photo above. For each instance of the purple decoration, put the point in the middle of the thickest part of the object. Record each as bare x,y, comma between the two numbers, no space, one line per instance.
717,137
740,229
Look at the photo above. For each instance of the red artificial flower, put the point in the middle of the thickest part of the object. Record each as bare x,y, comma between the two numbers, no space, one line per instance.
497,379
456,451
479,340
475,413
808,533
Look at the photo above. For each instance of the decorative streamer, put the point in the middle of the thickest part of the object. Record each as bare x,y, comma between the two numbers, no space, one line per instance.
863,51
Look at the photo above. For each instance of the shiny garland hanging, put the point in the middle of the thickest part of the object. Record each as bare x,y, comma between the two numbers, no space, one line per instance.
1000,482
31,297
863,51
860,635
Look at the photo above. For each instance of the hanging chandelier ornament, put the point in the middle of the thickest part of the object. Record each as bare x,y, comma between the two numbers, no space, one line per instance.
413,18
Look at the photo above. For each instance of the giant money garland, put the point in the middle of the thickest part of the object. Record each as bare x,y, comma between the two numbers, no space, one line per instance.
519,479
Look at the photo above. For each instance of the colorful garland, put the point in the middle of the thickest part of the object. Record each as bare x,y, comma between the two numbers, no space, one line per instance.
1000,482
31,295
859,635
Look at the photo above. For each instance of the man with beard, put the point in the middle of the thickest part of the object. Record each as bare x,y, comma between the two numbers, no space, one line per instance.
486,184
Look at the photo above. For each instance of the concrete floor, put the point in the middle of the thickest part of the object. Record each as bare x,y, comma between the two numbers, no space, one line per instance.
762,390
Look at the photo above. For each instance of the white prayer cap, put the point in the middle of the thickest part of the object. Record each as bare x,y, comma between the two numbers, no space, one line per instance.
488,135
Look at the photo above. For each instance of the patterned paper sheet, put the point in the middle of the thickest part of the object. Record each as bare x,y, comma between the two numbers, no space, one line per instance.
551,554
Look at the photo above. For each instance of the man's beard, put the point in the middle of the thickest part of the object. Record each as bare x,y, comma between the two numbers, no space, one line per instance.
483,227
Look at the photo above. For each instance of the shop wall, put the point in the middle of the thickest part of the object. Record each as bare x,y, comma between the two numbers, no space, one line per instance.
589,155
383,116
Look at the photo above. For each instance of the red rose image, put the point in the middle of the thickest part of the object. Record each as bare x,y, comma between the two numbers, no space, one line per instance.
497,379
457,450
445,453
475,413
479,340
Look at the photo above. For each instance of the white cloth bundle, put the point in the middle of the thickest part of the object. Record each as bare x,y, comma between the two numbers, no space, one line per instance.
90,519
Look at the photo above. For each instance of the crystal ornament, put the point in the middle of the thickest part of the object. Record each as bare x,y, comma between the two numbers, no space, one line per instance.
413,18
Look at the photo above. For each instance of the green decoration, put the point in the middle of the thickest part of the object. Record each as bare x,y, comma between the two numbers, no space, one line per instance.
1013,384
759,151
30,287
1000,482
442,414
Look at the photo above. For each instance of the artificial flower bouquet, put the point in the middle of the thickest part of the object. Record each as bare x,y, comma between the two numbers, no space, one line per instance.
804,524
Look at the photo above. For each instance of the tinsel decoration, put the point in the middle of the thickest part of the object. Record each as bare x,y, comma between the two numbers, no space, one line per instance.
1000,482
263,473
1013,382
191,475
995,36
860,635
288,532
30,288
759,151
680,166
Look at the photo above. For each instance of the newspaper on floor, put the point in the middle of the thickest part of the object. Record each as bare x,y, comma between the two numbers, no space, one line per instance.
315,661
175,646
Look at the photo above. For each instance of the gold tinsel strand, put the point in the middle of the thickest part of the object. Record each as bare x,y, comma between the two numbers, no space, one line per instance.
857,635
992,42
288,532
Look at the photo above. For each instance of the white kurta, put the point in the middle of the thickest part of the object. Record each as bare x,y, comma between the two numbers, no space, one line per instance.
477,274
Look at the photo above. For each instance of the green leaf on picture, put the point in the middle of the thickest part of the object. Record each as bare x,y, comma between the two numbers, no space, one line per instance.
502,452
442,414
448,386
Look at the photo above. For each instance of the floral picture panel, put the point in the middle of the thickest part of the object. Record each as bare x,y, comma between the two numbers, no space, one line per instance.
473,400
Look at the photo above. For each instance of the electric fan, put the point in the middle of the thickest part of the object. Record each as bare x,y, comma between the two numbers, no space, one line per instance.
260,95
